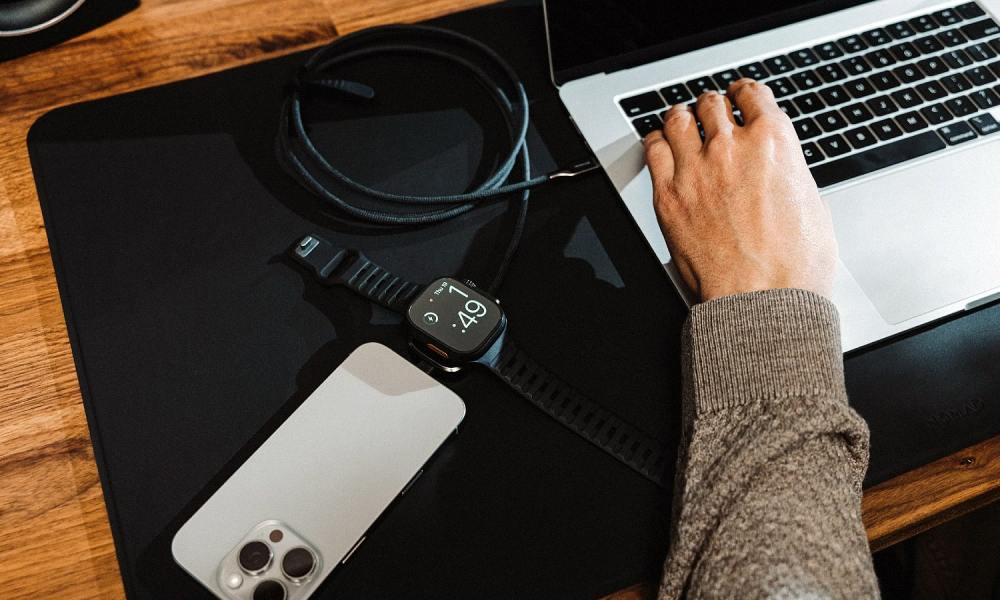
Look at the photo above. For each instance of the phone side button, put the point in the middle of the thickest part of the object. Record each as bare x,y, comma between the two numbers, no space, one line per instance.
351,553
412,481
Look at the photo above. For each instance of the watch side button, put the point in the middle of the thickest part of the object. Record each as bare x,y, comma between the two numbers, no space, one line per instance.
436,350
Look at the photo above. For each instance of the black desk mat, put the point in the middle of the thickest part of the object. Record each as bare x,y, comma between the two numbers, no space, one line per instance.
194,335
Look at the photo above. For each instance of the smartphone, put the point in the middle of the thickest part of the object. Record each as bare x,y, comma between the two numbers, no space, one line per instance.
300,506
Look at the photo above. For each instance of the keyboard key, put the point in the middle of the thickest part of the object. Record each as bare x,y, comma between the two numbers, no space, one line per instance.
908,73
995,67
900,30
951,37
831,121
806,128
936,114
960,106
701,85
779,64
860,137
828,51
852,43
803,57
676,94
932,66
981,52
995,44
806,80
970,10
985,124
812,153
788,108
859,88
906,98
956,133
984,99
886,129
781,87
643,103
881,106
905,51
876,37
831,73
980,76
857,113
723,79
835,145
957,59
955,83
980,29
880,58
876,158
931,90
911,121
807,103
856,65
923,23
754,70
647,124
835,94
928,44
884,81
947,16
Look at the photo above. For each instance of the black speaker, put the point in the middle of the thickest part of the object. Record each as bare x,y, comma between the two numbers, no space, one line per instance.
29,25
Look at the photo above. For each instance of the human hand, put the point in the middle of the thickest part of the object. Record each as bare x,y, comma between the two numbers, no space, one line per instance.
740,212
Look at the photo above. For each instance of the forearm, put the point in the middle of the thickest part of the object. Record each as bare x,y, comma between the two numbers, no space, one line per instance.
768,489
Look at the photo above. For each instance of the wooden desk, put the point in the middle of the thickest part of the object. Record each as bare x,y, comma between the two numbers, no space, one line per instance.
54,537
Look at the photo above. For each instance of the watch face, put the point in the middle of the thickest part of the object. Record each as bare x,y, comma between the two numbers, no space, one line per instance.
456,318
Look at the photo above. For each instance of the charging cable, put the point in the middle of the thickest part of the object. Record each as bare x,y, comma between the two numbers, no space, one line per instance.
301,157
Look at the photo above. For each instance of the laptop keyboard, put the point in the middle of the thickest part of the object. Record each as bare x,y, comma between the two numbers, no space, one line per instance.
868,101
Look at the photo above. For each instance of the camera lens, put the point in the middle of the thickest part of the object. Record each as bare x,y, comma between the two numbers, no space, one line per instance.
298,564
269,590
255,557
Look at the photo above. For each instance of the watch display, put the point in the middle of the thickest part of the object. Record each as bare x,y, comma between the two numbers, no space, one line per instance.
458,321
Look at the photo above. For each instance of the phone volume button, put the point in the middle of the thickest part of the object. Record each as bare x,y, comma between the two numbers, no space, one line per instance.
411,482
352,550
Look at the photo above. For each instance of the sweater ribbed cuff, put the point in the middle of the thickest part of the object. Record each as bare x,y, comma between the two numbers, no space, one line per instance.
762,346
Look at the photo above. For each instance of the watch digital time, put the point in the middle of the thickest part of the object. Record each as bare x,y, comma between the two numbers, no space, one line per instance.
454,325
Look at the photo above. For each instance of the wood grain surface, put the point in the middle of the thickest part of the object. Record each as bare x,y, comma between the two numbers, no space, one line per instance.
54,537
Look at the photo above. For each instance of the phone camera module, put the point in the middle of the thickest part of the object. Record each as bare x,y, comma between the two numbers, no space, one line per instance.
269,590
298,564
255,558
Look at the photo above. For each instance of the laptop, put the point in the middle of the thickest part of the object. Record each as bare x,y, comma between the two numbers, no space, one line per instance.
896,104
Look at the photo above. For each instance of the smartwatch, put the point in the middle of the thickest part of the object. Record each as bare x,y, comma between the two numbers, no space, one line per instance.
453,326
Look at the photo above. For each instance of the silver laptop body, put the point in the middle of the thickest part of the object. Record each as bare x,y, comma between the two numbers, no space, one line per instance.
919,239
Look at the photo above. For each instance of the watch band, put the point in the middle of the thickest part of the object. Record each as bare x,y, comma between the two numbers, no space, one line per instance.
606,430
355,271
570,407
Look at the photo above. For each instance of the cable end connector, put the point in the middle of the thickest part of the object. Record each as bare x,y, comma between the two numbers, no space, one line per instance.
319,256
578,168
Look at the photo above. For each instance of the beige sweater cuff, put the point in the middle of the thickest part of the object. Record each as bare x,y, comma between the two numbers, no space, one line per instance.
763,346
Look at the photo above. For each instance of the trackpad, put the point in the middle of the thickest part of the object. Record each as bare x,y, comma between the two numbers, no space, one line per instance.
926,236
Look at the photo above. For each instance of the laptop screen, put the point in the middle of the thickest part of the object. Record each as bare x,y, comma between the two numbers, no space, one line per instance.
593,36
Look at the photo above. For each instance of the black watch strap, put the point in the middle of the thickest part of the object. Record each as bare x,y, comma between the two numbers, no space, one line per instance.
352,269
570,407
339,266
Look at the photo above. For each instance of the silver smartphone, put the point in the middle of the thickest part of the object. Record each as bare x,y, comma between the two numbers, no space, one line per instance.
301,505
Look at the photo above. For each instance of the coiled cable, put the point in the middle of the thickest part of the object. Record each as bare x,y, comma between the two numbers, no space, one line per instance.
302,158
